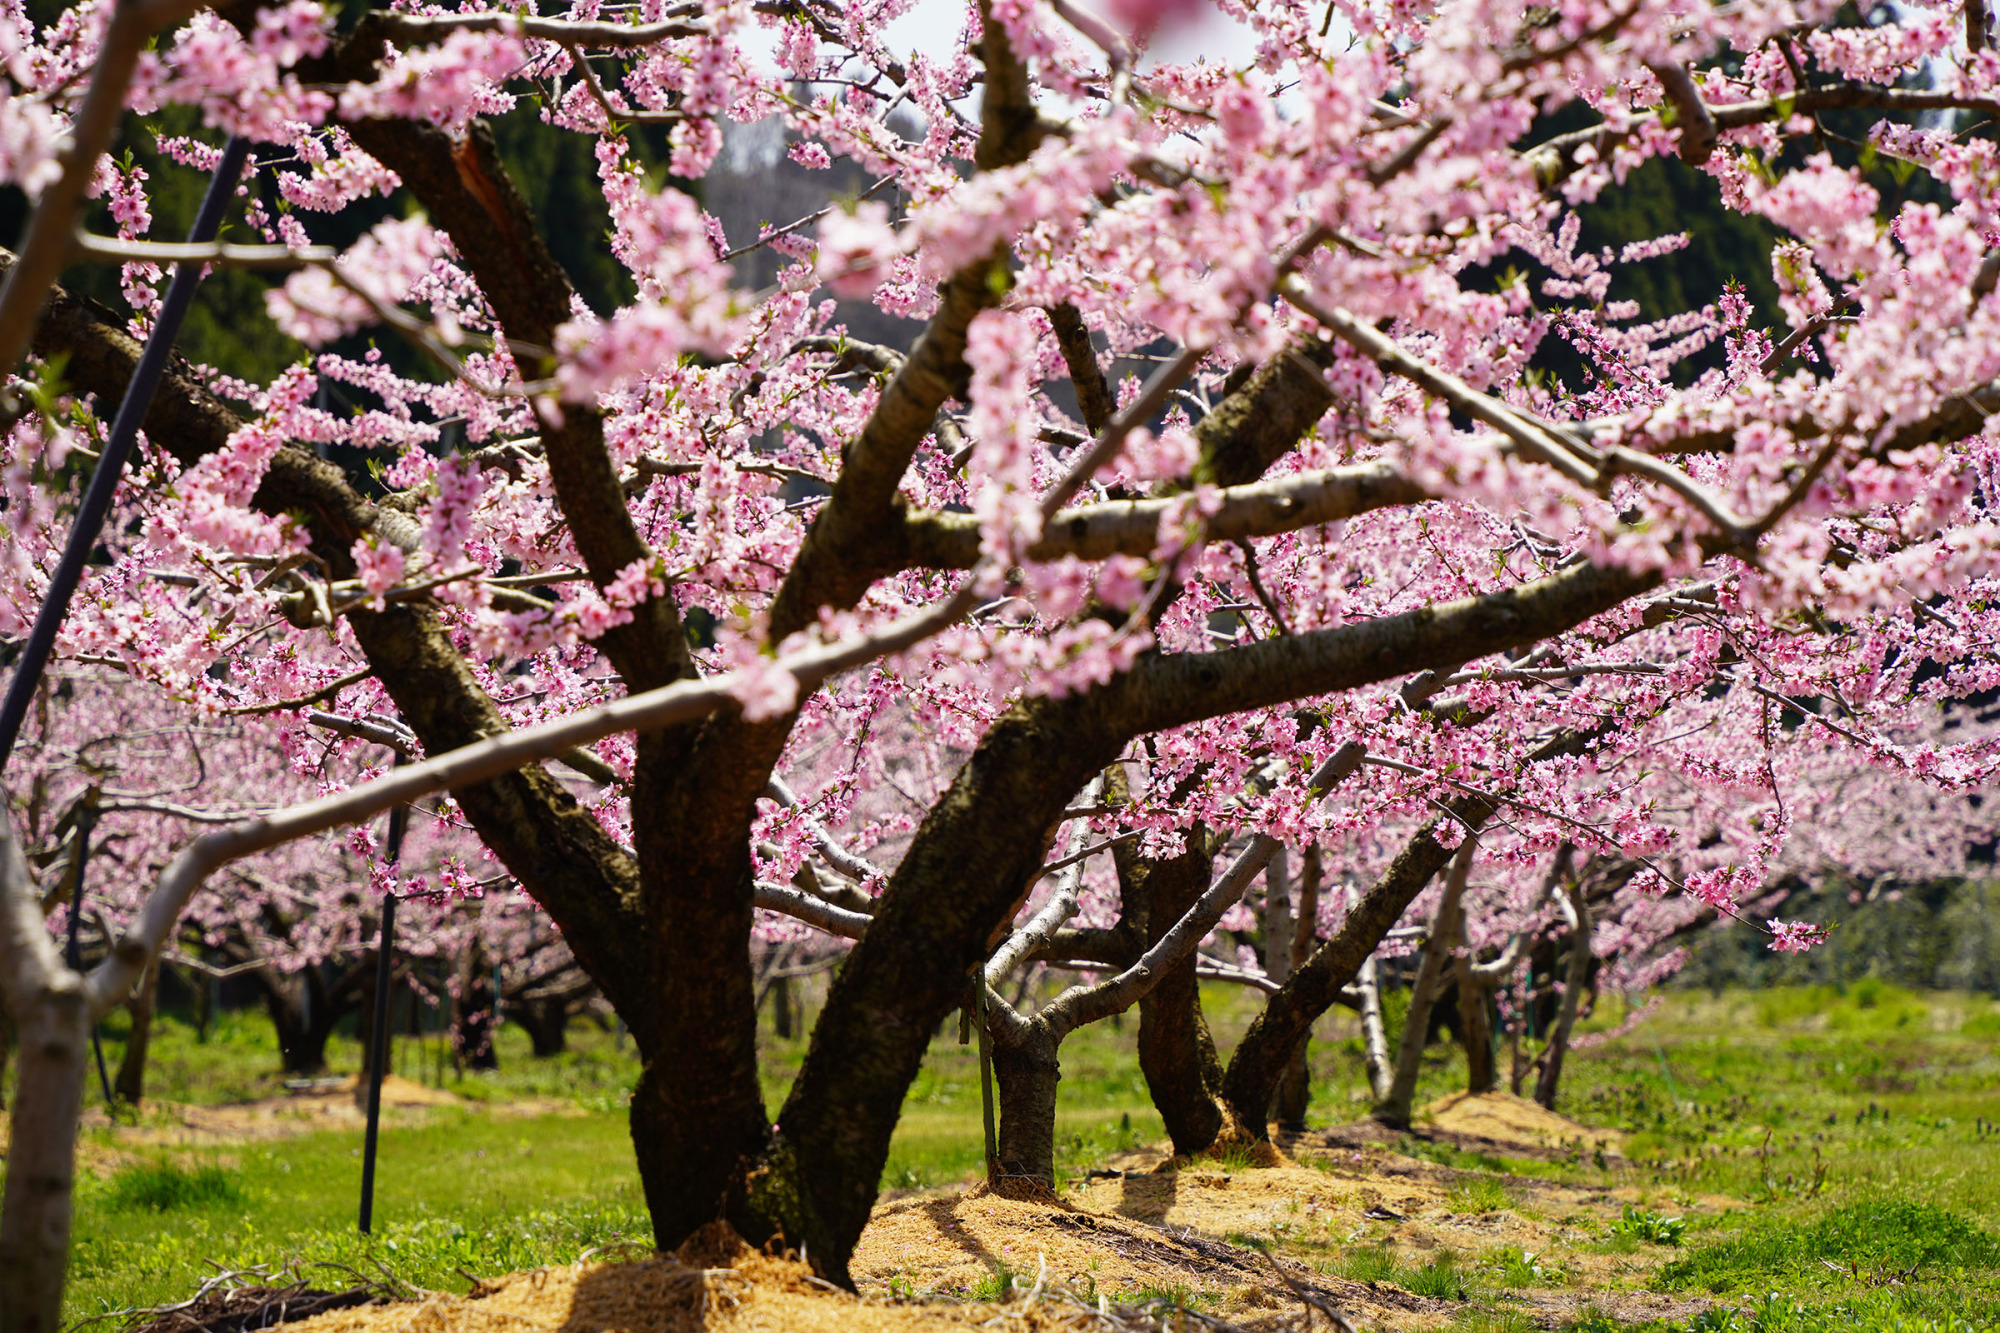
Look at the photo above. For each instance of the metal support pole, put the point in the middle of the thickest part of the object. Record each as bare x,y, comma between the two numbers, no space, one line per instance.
378,1045
117,448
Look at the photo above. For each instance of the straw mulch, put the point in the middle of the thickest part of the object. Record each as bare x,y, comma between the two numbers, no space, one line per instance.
1506,1119
716,1283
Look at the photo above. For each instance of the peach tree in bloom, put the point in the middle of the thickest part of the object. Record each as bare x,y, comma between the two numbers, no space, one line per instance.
1225,501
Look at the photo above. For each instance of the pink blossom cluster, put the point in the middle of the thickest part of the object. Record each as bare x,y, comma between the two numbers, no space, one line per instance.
1802,495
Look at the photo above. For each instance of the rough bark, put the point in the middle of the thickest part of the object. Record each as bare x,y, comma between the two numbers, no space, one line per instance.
1176,1054
51,1014
1093,395
962,880
35,1215
1026,1072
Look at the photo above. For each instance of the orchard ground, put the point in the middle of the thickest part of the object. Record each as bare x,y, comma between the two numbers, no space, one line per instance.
1776,1160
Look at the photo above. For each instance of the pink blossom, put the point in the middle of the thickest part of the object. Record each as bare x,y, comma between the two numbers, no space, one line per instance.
764,689
853,247
379,566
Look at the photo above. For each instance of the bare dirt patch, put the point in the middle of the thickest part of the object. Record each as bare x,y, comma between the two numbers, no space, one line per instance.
309,1110
1496,1124
1504,1118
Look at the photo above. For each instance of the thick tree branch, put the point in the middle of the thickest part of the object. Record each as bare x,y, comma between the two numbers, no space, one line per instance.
474,764
1132,527
1081,1005
1093,395
1691,114
411,29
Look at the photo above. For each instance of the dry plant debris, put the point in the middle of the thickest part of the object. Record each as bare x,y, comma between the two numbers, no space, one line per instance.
718,1284
1502,1118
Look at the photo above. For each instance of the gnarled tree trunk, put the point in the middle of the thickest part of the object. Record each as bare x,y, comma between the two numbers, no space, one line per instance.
1026,1072
1176,1054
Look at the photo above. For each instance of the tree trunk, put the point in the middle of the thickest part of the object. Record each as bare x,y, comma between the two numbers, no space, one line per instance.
1576,975
1176,1054
1446,925
1259,1061
473,1024
1025,1074
287,1016
1374,1034
130,1085
546,1021
1475,1025
41,1156
1295,1087
784,1008
306,1011
473,1037
962,880
6,1047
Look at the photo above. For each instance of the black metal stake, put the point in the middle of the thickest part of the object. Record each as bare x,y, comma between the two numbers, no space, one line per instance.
111,466
378,1044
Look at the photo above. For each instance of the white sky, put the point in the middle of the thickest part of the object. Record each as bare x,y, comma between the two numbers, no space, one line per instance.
933,25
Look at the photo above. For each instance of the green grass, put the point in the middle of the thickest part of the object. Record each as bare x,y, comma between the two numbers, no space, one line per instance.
1442,1278
1789,1130
1483,1195
237,1060
463,1191
163,1187
1776,1312
1880,1241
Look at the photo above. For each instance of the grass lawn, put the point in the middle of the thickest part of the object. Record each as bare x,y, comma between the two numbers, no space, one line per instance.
1807,1160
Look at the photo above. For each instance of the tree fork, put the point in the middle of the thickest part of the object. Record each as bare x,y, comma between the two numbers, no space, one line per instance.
1176,1053
1259,1060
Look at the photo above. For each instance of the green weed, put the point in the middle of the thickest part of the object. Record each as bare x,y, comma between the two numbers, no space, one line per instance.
1650,1227
1882,1241
1374,1264
1521,1268
1483,1195
163,1187
1440,1279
